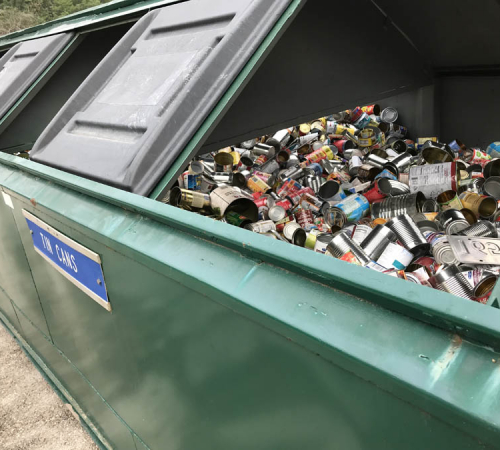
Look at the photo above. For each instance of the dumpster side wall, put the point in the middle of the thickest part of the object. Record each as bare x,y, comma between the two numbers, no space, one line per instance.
209,348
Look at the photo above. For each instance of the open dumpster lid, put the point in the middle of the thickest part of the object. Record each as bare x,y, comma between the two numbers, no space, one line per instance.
24,63
135,114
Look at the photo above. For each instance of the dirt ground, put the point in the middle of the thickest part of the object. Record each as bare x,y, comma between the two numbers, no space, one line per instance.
32,416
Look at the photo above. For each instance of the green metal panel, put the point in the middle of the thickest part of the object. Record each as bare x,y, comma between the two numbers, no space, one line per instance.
89,405
208,347
15,276
449,312
7,309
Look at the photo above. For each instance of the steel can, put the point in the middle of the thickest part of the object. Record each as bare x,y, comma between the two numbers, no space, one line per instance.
256,184
481,206
449,200
263,226
354,207
184,198
440,248
305,219
228,198
395,256
432,179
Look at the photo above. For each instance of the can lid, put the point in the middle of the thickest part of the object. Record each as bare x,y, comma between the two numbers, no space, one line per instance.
389,115
277,213
455,226
443,253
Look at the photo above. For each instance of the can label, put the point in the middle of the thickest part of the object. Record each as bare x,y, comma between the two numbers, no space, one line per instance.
196,200
454,203
350,258
432,179
263,226
428,262
473,276
386,174
280,225
324,152
256,184
236,219
472,201
395,256
342,177
224,196
479,157
354,207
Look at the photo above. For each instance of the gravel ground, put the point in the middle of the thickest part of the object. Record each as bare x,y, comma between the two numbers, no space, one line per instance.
32,416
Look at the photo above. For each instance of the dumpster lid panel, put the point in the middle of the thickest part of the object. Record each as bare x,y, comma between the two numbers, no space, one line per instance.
24,63
135,113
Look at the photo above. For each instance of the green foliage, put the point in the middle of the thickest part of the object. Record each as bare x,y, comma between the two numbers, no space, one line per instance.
19,14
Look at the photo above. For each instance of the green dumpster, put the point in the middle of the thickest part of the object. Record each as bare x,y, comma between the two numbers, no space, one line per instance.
168,330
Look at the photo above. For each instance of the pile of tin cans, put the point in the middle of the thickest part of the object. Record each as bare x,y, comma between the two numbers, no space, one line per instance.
354,187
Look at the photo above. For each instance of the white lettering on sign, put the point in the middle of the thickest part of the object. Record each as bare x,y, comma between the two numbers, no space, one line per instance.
66,258
46,243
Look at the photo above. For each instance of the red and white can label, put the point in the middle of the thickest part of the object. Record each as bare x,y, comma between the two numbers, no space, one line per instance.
433,179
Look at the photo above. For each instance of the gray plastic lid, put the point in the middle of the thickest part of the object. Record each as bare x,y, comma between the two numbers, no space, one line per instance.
134,114
24,63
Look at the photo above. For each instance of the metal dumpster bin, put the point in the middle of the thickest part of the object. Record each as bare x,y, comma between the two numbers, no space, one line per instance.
211,336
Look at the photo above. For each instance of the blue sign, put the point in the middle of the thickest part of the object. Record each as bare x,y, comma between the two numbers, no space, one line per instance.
77,263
